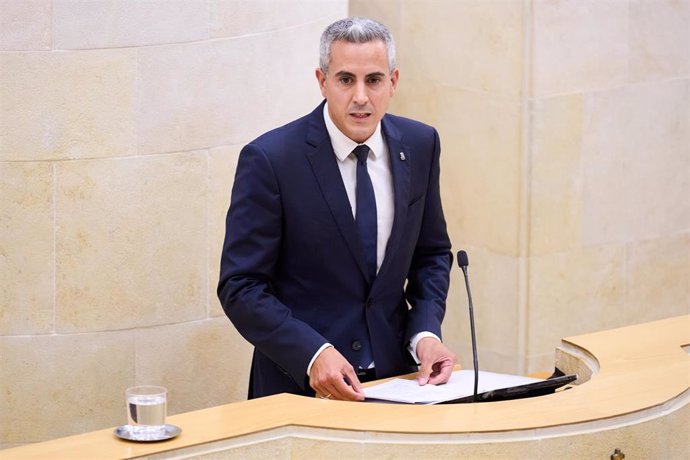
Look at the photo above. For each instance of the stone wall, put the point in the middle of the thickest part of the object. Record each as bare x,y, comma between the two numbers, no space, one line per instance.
565,130
120,126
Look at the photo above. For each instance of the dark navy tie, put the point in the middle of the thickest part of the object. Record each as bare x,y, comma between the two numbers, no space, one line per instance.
366,209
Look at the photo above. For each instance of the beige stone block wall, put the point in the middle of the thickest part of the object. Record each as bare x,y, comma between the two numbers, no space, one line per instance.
461,67
565,131
66,104
114,269
25,25
578,45
609,107
27,273
120,126
85,24
58,384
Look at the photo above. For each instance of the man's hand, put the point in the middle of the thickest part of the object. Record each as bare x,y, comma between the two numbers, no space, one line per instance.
437,362
329,373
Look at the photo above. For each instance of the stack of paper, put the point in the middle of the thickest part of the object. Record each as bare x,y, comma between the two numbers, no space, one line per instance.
461,384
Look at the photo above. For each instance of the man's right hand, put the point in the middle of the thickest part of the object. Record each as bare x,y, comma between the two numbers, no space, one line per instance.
328,376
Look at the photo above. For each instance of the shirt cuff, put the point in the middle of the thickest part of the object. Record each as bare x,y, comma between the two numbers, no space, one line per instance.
412,347
316,355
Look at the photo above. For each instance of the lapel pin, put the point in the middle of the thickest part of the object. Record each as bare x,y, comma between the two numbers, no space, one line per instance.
402,156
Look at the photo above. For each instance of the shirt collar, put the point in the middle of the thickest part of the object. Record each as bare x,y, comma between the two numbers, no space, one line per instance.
343,145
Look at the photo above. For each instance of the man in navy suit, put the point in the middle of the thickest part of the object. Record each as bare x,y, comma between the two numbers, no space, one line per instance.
336,258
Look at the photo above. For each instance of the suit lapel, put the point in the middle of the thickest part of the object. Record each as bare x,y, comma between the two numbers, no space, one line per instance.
323,163
400,169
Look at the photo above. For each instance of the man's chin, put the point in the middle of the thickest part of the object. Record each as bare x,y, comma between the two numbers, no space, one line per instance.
360,134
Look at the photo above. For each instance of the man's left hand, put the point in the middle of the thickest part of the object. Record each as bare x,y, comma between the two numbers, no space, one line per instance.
437,362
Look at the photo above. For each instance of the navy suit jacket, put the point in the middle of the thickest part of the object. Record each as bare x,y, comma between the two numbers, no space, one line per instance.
293,272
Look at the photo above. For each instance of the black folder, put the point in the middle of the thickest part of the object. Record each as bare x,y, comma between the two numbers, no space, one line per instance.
528,390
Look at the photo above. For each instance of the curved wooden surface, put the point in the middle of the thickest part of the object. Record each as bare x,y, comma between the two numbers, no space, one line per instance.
632,373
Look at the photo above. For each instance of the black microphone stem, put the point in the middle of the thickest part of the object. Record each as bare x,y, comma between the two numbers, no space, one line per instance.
474,339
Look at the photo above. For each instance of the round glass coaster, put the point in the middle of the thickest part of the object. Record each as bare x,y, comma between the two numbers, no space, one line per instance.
168,432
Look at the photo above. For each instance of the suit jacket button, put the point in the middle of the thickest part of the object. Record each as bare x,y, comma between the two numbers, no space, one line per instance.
356,345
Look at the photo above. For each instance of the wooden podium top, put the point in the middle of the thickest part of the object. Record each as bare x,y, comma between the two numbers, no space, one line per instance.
635,370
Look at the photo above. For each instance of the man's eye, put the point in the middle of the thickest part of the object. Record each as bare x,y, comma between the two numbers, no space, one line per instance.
345,80
374,81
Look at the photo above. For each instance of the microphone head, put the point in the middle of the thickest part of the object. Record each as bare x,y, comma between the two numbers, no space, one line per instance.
463,261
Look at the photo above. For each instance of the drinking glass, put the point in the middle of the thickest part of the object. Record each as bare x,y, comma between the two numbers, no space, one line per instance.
146,409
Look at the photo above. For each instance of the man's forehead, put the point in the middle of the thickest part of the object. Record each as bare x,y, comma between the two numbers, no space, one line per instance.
372,46
361,58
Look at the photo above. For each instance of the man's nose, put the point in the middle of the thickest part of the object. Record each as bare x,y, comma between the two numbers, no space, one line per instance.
360,97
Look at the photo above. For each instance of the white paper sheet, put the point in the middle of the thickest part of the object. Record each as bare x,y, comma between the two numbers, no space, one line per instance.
461,384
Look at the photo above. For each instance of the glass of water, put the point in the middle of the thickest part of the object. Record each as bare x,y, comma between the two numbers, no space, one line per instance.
146,409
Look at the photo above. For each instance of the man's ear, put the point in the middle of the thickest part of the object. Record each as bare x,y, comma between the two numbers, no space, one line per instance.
394,80
321,78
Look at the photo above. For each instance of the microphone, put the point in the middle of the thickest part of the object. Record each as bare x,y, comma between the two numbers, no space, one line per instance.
463,262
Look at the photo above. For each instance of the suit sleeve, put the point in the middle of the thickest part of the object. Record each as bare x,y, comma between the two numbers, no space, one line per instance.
248,269
428,277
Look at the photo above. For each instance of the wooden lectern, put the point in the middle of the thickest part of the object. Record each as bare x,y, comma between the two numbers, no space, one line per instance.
631,399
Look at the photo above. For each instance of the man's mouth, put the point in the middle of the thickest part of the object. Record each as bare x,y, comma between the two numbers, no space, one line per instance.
360,115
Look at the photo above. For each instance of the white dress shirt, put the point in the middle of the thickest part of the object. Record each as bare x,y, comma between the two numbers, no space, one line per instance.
379,168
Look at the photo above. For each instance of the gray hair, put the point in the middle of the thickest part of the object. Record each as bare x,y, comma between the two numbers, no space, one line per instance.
355,30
